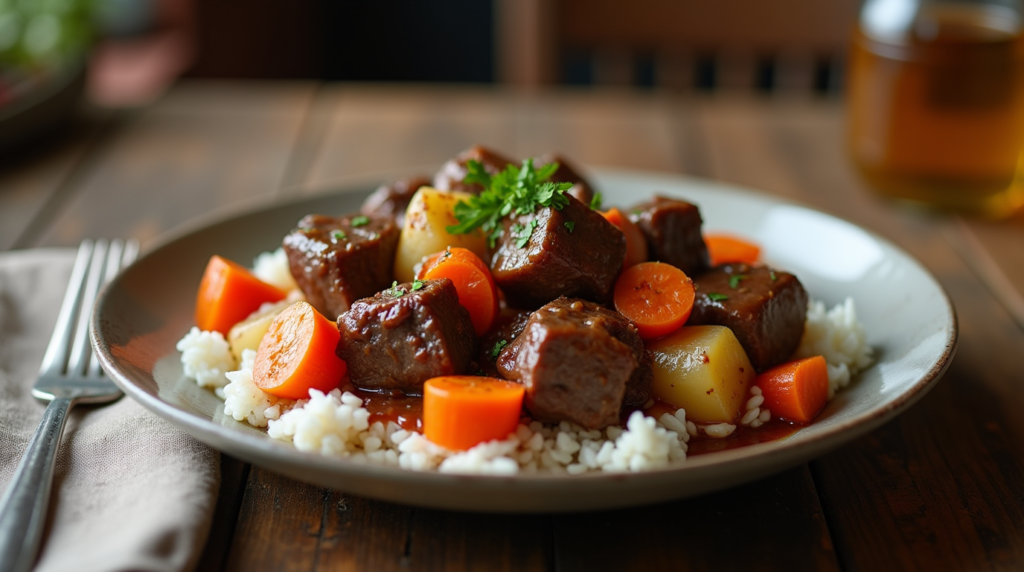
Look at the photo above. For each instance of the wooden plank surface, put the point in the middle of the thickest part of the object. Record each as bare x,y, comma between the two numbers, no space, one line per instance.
936,488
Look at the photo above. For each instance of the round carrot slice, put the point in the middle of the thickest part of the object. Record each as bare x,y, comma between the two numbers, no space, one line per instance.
298,354
636,243
462,411
473,281
724,248
655,296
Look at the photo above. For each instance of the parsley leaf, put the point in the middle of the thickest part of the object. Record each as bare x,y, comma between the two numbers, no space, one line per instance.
395,291
771,274
416,285
519,190
595,203
716,297
523,232
734,280
570,225
339,235
360,221
497,348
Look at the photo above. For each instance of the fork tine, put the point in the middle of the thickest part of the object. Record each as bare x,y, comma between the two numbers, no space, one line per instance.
80,349
57,351
121,254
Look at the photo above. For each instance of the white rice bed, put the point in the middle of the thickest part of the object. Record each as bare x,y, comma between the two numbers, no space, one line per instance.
337,424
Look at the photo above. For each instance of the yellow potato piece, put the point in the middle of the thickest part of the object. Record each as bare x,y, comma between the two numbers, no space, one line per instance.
704,370
248,333
429,214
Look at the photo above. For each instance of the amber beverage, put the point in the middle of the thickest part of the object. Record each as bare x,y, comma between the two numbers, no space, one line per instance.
936,109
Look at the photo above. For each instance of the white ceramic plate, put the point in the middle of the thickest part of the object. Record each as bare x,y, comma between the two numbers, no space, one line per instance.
909,319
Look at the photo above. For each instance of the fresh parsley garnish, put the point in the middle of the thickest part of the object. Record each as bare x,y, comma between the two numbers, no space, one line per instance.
771,274
734,280
523,232
416,285
339,235
360,221
497,348
395,291
595,203
570,225
716,297
519,190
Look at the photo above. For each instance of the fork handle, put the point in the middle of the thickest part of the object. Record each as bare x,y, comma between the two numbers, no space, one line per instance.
23,508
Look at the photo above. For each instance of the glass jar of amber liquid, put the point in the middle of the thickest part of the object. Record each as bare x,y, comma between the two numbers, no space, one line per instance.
936,103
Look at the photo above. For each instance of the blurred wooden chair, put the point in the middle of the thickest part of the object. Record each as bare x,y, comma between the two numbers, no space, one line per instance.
768,45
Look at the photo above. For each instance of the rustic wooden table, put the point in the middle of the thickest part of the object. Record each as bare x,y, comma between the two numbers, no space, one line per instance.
938,488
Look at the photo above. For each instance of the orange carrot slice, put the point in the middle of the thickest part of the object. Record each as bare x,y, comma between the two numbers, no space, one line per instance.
462,411
724,248
636,243
655,296
473,281
298,354
796,390
228,293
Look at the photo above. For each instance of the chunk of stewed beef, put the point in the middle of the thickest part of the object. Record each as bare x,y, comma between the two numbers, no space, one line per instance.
765,308
338,260
673,231
451,174
506,329
581,189
550,253
580,362
392,199
405,335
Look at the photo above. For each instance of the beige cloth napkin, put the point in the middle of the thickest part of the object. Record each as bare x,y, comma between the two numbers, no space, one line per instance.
131,492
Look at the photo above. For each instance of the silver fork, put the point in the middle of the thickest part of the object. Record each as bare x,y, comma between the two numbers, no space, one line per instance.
67,377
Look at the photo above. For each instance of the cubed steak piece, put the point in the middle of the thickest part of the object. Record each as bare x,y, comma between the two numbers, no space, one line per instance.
581,189
765,308
506,329
580,362
672,229
451,174
549,253
338,260
392,199
405,335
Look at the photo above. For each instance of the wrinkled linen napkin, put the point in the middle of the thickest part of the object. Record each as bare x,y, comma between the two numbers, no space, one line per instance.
131,491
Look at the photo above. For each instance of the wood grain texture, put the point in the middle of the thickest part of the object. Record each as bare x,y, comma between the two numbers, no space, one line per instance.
206,145
728,530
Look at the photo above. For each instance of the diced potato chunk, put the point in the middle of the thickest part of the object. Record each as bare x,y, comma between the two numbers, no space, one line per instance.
704,370
429,214
248,333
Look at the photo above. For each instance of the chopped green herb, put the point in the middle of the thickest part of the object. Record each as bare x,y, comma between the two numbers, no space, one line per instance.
339,235
519,190
497,348
734,280
716,297
771,274
637,211
447,252
416,285
523,232
595,203
360,221
395,291
570,225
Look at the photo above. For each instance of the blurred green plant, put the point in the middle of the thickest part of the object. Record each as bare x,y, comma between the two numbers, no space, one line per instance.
36,35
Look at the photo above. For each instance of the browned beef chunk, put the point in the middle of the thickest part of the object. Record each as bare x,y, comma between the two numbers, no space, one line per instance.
581,189
570,252
336,262
396,342
450,177
507,327
672,229
766,309
392,199
578,362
